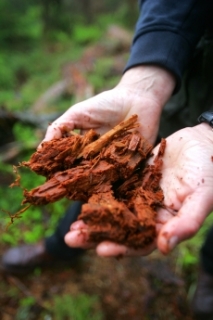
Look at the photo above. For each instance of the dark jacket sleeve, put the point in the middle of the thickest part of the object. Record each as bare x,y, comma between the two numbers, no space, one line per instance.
167,32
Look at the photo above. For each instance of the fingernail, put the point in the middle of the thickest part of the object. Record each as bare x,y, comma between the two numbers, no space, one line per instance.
68,239
172,242
77,225
74,226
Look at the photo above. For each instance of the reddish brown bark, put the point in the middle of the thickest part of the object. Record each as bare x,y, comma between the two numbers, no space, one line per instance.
109,173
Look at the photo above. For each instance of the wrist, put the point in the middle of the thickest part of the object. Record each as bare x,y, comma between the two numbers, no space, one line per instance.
206,131
153,82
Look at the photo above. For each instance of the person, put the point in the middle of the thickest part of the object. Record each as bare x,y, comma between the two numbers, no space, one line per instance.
166,36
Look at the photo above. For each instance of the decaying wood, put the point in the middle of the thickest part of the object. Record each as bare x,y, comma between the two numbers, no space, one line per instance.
95,147
109,173
59,154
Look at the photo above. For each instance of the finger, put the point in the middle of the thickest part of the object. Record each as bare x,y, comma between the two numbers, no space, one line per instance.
77,225
73,118
76,117
111,249
54,130
185,224
78,239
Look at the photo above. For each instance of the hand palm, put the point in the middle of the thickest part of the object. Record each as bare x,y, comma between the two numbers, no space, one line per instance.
106,110
188,186
187,183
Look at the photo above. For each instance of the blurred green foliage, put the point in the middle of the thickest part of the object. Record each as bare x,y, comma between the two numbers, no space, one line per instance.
189,251
37,38
86,34
60,307
34,224
80,307
19,22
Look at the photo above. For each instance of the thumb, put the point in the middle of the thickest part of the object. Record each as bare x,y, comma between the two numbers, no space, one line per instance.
185,224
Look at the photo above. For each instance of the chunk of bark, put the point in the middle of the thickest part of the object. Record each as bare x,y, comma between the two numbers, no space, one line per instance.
59,154
110,174
110,219
131,218
95,147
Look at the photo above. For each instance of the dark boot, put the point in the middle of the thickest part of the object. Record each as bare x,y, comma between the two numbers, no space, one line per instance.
202,303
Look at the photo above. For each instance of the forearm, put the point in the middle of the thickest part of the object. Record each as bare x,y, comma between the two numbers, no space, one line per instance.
154,82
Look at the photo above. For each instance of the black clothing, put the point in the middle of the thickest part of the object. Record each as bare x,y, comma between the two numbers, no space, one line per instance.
207,253
55,244
167,33
195,95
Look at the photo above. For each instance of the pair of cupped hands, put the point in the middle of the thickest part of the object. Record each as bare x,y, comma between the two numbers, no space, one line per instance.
187,172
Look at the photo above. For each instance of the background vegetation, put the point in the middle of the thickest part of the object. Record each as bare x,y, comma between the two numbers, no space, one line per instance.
38,39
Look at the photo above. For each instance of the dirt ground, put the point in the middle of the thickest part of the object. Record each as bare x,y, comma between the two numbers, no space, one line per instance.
129,288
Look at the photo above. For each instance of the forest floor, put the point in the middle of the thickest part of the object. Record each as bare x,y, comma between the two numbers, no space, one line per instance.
128,288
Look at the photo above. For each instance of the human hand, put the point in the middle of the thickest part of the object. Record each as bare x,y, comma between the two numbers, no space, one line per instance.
143,90
187,183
